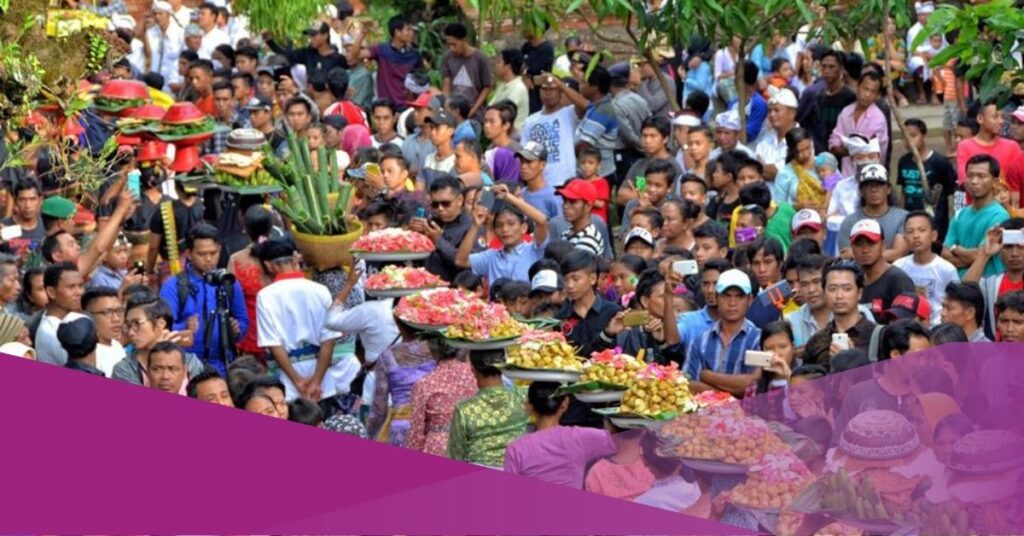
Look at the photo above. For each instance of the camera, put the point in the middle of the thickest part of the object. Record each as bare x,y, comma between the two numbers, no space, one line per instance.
219,277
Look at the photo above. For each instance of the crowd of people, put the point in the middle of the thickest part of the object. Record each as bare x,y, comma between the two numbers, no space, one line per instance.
557,188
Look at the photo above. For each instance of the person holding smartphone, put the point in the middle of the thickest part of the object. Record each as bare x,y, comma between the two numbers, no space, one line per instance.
515,257
446,225
650,322
843,282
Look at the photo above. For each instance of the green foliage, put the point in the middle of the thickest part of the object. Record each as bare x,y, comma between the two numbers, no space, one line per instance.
284,20
988,37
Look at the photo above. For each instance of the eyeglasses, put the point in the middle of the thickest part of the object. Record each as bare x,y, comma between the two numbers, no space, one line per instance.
440,204
106,313
136,324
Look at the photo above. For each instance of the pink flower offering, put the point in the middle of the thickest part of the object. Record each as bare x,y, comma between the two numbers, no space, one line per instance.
397,277
393,241
437,307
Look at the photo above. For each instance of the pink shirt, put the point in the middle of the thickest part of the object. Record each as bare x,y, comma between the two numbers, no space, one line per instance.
872,124
620,481
558,455
1003,150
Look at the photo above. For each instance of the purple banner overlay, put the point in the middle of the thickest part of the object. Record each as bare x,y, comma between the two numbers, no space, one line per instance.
87,455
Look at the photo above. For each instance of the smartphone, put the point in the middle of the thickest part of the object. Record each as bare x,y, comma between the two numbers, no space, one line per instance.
421,213
841,340
134,183
754,358
635,319
685,268
641,183
487,199
139,267
10,232
746,234
1013,237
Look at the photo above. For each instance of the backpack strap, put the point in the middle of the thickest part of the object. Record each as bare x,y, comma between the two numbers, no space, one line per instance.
876,336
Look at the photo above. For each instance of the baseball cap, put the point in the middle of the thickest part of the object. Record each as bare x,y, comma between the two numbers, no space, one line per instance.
784,97
163,6
532,151
58,207
77,336
867,228
1018,114
259,102
909,306
579,190
546,281
872,173
620,73
733,279
441,117
639,233
422,101
805,218
318,28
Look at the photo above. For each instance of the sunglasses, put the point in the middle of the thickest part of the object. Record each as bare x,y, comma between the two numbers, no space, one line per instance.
440,204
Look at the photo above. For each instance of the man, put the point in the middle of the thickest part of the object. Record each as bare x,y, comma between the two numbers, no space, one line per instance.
261,118
693,323
193,40
536,191
299,115
586,314
62,247
986,141
291,313
442,160
417,146
814,313
938,171
165,40
464,70
200,77
714,360
446,228
385,115
247,61
650,89
771,148
843,283
338,84
630,111
27,205
167,370
553,127
510,85
807,224
58,214
862,117
319,56
395,59
63,285
1010,279
967,231
727,135
821,104
10,284
466,128
78,338
903,337
192,298
600,124
964,305
883,281
103,305
226,118
482,426
211,387
1010,317
578,197
242,91
874,189
213,35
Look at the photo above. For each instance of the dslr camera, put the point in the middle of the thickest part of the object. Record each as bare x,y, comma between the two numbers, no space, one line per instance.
219,277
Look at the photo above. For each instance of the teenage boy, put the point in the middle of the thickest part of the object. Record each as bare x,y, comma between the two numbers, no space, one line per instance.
1010,280
964,305
537,192
938,170
464,69
698,148
986,141
657,185
442,160
639,242
883,281
586,314
723,180
930,272
578,198
395,58
691,324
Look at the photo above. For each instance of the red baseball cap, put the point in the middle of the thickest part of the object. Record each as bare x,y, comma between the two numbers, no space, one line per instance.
867,228
909,306
579,190
422,101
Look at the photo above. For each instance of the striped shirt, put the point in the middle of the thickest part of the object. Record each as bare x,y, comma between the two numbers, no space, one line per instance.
588,239
600,128
707,352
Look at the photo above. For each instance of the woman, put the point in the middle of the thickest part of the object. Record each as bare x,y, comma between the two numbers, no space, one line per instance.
148,323
554,453
623,475
797,183
396,372
355,137
658,339
804,76
625,273
776,339
503,164
434,399
250,274
681,217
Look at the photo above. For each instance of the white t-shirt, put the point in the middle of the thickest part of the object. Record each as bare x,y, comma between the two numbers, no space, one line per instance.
108,355
213,39
48,348
845,198
555,131
932,277
724,63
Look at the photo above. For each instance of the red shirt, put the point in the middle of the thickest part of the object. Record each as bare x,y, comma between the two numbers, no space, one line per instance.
1009,286
604,195
205,105
349,111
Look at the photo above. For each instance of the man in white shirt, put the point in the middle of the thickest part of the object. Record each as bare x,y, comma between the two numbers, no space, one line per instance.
510,87
63,285
771,146
182,13
104,307
213,35
166,40
846,194
291,318
553,127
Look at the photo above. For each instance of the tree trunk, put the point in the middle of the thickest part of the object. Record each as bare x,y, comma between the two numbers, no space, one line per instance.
741,92
663,80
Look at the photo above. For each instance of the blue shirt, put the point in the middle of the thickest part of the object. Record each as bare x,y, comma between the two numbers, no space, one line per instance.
107,277
757,112
693,323
707,353
544,200
515,264
463,132
699,79
201,302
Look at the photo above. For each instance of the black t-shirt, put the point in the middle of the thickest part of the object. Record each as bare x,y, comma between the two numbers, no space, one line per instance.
312,59
939,172
721,211
826,115
185,218
880,294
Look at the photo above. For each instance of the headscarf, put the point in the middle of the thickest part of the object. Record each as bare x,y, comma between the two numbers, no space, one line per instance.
503,164
355,137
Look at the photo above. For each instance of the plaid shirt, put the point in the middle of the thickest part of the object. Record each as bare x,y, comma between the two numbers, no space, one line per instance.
219,142
707,352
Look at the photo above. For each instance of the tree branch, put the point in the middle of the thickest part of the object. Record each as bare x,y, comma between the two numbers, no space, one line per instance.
596,30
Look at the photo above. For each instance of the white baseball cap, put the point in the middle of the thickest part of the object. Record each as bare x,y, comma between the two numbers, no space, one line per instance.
867,228
641,234
733,279
546,281
806,218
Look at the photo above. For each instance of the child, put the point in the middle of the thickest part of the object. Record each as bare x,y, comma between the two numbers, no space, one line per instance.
557,454
510,224
579,197
649,219
940,172
470,282
590,163
625,474
827,167
515,296
930,272
115,266
316,138
659,177
639,242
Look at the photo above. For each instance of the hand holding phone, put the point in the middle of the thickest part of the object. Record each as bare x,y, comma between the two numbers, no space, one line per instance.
487,199
134,183
755,358
685,268
1013,237
841,341
635,319
10,232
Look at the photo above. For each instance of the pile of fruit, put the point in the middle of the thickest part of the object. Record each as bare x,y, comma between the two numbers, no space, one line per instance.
435,307
611,367
543,350
723,433
393,241
789,523
400,277
485,321
773,482
656,390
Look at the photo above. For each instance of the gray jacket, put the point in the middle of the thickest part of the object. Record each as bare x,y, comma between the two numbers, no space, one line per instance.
130,370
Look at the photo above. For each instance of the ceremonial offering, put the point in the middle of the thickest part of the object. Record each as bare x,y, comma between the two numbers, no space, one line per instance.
854,501
435,308
658,391
543,356
409,280
606,376
722,434
484,323
393,240
773,482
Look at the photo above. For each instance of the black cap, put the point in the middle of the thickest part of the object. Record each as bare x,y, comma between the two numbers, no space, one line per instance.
78,337
274,249
441,117
620,73
337,122
318,27
260,102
